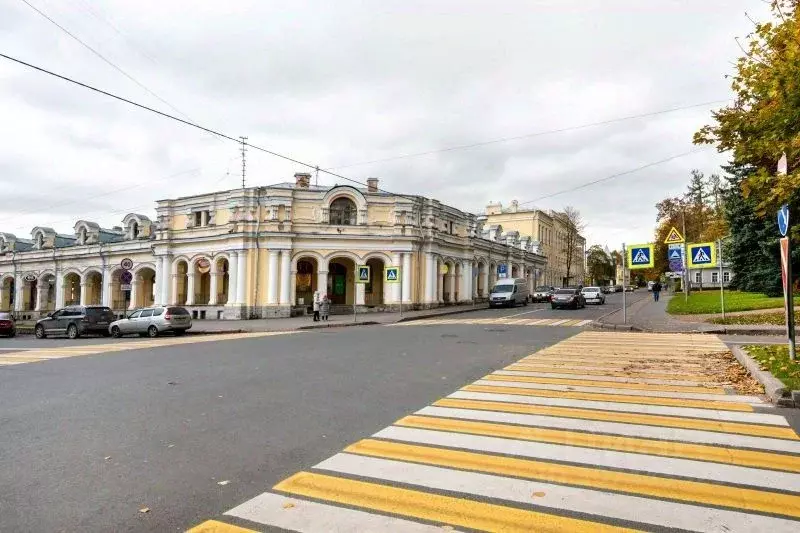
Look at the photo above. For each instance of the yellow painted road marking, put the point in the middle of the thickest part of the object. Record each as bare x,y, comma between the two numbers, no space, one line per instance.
214,526
434,507
590,371
673,489
605,384
754,430
619,398
699,452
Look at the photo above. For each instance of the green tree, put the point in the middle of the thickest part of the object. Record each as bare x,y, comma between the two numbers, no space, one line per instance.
600,266
764,119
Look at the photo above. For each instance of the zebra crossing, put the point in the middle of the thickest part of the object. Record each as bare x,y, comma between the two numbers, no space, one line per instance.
601,432
505,321
46,353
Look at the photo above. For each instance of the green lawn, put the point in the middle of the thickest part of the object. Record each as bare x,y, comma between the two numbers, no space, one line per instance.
708,302
776,359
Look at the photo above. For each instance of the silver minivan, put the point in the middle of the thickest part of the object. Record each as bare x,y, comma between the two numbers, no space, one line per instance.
153,321
509,292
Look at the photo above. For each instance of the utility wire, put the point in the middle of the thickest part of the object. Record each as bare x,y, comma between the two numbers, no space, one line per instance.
192,124
531,135
617,175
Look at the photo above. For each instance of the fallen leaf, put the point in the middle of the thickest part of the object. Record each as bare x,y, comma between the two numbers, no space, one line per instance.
144,510
538,494
107,457
288,505
170,445
223,483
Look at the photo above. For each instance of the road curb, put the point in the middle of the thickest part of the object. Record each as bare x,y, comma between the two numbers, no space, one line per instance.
773,387
337,325
434,315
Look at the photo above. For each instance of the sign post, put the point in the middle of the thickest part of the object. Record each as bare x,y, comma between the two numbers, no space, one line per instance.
624,299
786,270
362,276
392,275
721,285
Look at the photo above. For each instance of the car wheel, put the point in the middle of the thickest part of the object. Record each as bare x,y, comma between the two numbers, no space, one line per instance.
39,332
72,331
152,331
115,332
553,307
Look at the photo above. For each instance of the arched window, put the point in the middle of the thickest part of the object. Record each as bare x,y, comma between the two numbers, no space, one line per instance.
134,230
39,241
82,236
343,212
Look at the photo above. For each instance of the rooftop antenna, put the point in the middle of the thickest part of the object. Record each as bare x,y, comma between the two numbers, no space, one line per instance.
243,149
316,177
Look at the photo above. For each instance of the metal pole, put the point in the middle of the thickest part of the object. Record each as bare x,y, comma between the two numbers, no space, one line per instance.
355,291
721,286
789,296
401,291
624,288
683,259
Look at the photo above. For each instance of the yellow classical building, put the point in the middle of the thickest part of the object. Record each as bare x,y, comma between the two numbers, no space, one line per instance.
263,252
550,231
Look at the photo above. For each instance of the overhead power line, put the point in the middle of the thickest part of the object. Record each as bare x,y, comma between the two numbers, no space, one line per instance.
617,175
531,135
191,124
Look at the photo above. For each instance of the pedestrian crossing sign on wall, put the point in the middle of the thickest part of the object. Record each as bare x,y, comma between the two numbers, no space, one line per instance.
640,256
363,274
702,255
392,274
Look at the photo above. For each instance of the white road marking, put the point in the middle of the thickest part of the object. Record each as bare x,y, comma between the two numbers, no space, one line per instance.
592,457
613,379
525,313
618,428
753,400
311,517
691,412
593,502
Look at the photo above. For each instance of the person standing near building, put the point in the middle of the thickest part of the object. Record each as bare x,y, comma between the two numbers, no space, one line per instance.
656,290
316,305
325,307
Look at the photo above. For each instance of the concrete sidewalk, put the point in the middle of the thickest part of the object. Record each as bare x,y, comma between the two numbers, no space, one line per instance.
650,316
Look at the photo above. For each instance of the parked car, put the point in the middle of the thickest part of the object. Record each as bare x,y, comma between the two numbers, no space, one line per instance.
152,321
593,295
541,294
509,292
8,326
74,321
630,288
564,298
609,289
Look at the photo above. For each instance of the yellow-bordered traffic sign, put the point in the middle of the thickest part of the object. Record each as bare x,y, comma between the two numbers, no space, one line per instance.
674,236
702,254
640,256
391,274
363,274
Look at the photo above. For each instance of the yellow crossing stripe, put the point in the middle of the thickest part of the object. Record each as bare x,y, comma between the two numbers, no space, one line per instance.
700,452
754,430
213,526
605,384
590,371
618,398
673,489
434,507
509,321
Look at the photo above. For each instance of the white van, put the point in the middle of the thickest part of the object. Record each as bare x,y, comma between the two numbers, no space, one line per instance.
509,292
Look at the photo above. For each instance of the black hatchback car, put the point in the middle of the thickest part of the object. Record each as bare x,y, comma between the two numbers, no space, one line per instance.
76,320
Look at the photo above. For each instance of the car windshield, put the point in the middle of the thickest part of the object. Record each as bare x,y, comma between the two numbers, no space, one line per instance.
565,291
542,289
591,289
503,288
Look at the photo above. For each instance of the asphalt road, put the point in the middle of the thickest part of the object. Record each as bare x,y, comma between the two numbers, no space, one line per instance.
87,442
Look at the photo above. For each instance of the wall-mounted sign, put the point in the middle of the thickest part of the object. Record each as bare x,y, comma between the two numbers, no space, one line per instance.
126,263
30,277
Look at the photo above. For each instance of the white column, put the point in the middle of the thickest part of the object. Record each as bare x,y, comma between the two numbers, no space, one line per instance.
213,289
405,271
106,294
173,298
429,280
272,278
475,273
190,279
136,285
166,275
241,286
395,287
158,290
59,290
3,298
41,296
286,277
466,280
19,288
322,282
233,274
84,298
360,293
486,287
452,284
439,283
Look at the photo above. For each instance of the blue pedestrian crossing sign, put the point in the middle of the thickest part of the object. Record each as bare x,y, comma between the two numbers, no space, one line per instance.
363,274
675,254
640,256
783,219
392,274
702,254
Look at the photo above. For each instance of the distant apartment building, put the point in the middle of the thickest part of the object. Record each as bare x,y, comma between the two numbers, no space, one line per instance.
549,229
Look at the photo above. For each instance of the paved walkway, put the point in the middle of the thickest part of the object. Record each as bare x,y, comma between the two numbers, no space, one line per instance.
603,432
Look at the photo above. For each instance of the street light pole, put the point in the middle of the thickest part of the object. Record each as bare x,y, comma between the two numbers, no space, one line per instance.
624,291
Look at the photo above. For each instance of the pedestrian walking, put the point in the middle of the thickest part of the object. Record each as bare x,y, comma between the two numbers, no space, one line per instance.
325,307
656,290
316,306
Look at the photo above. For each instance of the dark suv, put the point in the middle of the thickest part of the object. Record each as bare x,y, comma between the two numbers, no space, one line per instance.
76,320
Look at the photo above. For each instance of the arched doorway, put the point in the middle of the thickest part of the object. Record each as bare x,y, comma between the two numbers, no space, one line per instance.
93,285
373,291
481,280
340,281
47,294
306,281
31,294
202,281
181,282
221,276
72,289
145,290
450,282
7,294
514,271
119,300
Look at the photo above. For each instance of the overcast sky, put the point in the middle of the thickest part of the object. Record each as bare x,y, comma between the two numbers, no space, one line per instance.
337,83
